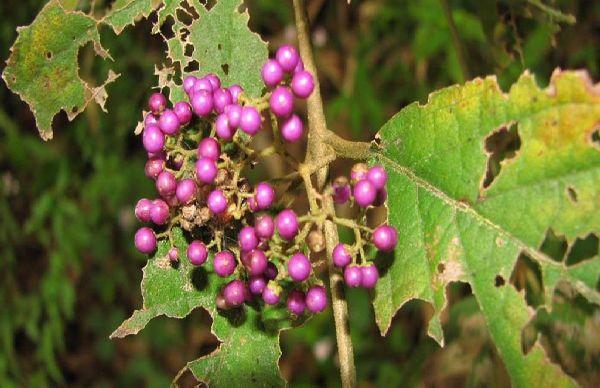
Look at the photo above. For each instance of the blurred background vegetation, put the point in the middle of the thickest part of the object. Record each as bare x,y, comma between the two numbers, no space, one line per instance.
68,271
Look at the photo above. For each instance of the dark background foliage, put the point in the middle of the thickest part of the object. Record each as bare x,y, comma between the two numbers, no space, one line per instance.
68,271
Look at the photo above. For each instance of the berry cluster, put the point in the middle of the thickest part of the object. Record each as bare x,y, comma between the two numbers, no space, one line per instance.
197,156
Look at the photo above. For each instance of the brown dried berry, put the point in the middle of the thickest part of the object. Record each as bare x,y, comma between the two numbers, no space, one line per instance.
358,172
316,241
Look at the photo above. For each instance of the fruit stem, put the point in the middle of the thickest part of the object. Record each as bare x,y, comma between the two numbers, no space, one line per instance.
318,150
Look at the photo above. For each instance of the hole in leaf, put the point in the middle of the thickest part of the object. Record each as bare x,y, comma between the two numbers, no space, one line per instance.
572,194
500,145
499,281
74,110
527,276
189,50
209,4
595,138
219,47
225,68
529,335
166,29
583,249
48,55
554,246
441,267
184,17
192,66
184,33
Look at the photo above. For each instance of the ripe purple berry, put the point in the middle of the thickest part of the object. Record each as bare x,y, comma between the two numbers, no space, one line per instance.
235,91
153,139
316,299
341,256
255,262
247,238
224,263
157,103
271,293
264,227
364,193
264,195
271,271
159,212
281,101
173,254
352,276
186,190
385,238
142,210
287,224
250,120
202,84
197,252
341,190
202,102
302,84
169,122
166,184
222,127
153,167
288,57
271,72
299,267
206,170
188,83
214,80
370,275
145,240
292,128
377,176
221,98
257,284
296,302
150,120
234,115
183,110
217,202
234,293
210,148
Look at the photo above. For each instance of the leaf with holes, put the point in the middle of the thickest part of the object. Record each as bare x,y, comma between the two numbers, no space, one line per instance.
125,12
478,177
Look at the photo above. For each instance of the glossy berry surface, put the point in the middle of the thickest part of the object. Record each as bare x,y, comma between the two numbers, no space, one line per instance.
364,193
296,302
264,227
224,263
214,80
302,84
157,103
272,73
299,267
264,195
188,83
281,102
197,252
153,167
166,184
173,254
221,98
222,128
316,299
142,210
153,139
257,284
169,122
247,238
340,256
235,91
250,120
287,224
202,102
217,202
370,276
288,57
183,110
292,129
206,170
377,176
202,84
186,190
145,240
271,294
234,115
385,238
159,212
234,293
255,262
353,276
210,148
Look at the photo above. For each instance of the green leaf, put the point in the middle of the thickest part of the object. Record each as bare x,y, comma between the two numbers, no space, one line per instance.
126,12
453,228
248,350
42,68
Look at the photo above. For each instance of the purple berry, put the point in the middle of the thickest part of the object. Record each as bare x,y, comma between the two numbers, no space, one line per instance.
252,204
341,256
341,190
186,190
235,91
287,224
370,275
234,114
188,83
206,170
288,57
296,302
250,120
166,184
222,127
271,271
157,103
247,238
173,254
210,148
183,110
292,128
385,238
377,176
281,101
271,293
197,252
202,84
159,212
224,264
316,299
169,122
202,102
264,227
153,167
264,194
364,193
153,139
142,210
255,262
302,84
299,267
221,98
150,120
271,72
352,276
145,240
380,198
217,202
234,293
214,80
257,284
172,201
